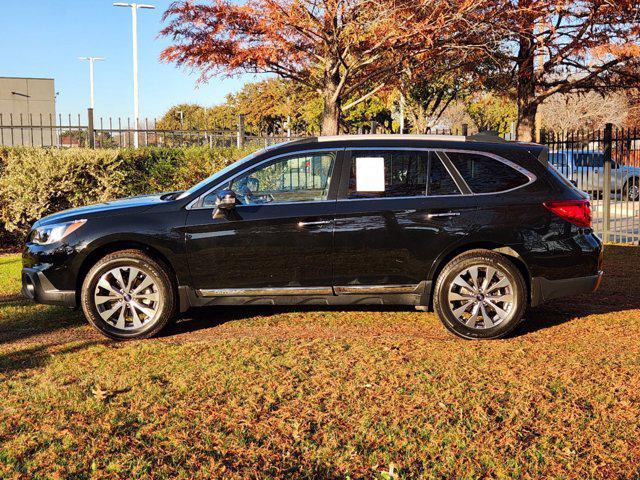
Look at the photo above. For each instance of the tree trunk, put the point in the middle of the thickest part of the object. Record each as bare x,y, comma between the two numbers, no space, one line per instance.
526,87
332,102
330,117
527,122
330,113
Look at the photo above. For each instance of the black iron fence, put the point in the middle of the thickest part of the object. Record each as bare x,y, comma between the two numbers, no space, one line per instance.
606,165
73,131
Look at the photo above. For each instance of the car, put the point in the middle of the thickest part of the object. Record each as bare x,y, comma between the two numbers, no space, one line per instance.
585,168
474,228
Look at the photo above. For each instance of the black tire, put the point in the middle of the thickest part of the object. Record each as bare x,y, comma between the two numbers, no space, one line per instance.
483,258
165,308
631,193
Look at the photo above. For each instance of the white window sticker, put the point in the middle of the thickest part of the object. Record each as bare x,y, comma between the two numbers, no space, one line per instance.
370,174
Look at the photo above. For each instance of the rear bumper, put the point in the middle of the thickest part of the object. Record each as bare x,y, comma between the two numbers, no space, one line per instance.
543,289
37,287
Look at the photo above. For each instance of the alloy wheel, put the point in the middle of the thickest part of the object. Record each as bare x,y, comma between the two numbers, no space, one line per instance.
481,297
127,297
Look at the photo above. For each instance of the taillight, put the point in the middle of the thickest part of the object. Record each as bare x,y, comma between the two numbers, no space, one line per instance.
577,212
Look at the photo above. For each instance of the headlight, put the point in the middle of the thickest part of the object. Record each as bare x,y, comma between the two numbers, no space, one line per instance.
54,233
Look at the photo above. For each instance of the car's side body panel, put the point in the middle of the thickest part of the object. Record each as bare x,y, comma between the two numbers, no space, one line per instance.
336,251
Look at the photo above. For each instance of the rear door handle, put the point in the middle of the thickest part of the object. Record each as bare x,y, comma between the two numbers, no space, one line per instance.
443,215
310,224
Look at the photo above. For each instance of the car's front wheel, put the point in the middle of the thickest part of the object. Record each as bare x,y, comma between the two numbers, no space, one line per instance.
127,295
480,294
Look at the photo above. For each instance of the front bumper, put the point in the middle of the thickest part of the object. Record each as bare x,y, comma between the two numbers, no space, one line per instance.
543,289
37,287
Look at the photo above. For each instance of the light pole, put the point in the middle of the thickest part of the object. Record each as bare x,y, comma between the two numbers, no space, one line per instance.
91,61
134,23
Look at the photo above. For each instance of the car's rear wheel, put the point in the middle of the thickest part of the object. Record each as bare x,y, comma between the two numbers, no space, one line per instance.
480,294
127,295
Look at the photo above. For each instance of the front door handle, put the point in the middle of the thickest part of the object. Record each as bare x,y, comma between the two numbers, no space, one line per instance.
310,224
443,215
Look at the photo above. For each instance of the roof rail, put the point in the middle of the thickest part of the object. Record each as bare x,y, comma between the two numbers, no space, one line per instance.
392,136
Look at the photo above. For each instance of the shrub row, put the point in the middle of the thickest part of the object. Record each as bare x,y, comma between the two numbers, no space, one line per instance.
35,182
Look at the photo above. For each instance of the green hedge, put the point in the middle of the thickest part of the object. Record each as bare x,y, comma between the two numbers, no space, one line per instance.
35,182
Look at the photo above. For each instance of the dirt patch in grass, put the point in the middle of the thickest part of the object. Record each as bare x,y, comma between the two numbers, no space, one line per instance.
330,393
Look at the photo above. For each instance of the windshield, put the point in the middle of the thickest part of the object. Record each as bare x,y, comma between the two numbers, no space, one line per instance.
216,175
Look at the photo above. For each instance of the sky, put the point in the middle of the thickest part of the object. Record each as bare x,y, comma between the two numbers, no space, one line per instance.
44,38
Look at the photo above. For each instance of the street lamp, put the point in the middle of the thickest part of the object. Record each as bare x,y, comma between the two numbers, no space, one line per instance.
134,22
91,61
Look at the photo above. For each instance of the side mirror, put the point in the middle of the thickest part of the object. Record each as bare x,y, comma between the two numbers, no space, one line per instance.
225,202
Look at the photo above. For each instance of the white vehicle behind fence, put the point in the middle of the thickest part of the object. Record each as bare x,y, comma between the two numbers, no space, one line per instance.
585,169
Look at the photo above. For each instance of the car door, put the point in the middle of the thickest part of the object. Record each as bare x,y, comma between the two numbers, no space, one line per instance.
279,235
397,210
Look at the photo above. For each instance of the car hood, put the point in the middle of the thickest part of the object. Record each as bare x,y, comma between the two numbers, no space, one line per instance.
114,207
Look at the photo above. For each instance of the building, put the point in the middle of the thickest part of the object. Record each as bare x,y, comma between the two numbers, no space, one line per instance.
27,111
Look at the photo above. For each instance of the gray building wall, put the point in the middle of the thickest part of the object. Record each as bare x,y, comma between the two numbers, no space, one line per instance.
28,111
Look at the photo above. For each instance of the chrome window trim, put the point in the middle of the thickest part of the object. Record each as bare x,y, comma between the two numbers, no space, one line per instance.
531,176
191,205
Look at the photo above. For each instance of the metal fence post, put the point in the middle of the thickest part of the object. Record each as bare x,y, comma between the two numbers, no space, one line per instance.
606,188
240,139
465,129
374,127
90,132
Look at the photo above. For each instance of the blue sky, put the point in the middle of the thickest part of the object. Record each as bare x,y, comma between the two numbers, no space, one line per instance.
43,38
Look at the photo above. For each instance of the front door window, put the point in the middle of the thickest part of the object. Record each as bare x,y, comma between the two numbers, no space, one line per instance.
300,178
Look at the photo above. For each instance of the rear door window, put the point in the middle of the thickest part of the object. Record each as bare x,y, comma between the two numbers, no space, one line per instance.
484,174
382,174
398,173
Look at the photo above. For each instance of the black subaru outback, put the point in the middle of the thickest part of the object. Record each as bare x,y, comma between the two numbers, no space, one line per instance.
476,228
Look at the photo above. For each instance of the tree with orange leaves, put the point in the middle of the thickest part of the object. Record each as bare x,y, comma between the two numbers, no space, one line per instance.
339,48
559,47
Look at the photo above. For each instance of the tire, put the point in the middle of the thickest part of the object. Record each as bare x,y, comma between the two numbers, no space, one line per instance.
141,308
506,283
632,189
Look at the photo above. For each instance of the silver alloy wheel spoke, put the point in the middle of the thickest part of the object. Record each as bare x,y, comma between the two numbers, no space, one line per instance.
133,273
107,286
120,323
146,282
463,308
117,274
502,283
485,316
471,322
127,297
481,297
488,277
100,299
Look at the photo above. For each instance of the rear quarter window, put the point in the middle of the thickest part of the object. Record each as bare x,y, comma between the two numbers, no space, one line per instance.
485,174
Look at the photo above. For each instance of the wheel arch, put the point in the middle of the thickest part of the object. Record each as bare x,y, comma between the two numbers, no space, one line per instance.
505,250
92,258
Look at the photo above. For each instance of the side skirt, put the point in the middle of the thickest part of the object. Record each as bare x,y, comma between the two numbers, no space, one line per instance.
348,295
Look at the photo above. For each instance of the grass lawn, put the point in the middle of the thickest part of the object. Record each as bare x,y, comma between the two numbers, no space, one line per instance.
330,393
